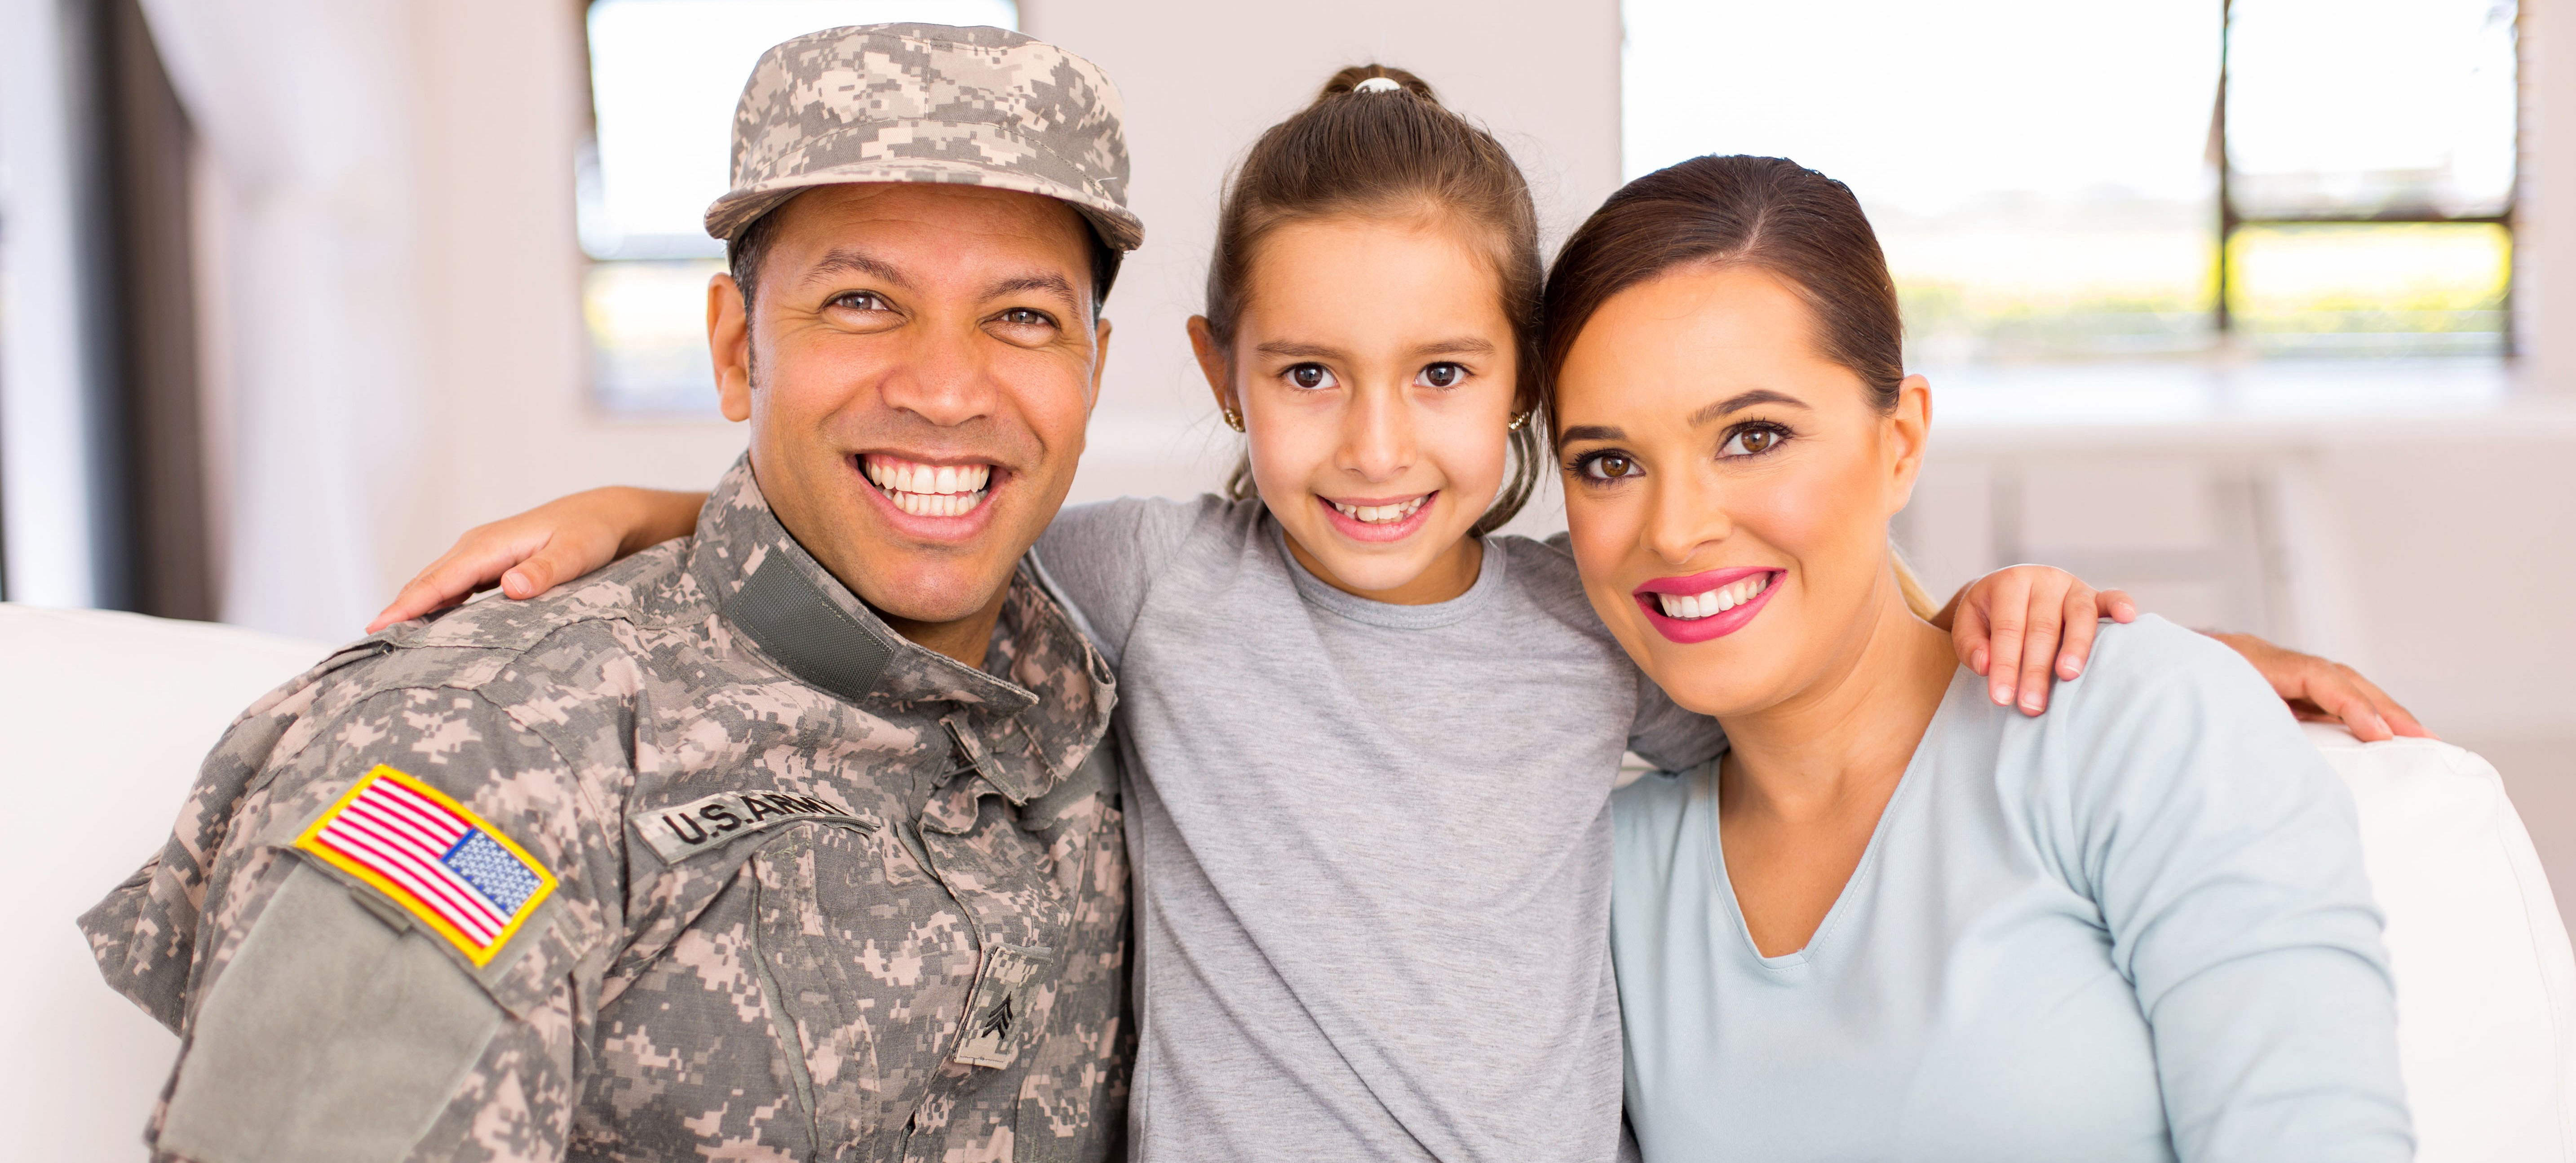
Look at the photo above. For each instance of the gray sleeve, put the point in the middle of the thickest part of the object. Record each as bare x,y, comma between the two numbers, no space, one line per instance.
331,1020
1661,733
1103,557
2226,859
1668,736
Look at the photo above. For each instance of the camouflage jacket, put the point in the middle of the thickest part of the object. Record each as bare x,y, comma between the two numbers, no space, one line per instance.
633,872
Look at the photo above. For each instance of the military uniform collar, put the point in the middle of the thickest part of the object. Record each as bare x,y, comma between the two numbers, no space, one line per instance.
1023,732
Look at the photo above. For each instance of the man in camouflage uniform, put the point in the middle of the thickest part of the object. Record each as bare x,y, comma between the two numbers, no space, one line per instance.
781,842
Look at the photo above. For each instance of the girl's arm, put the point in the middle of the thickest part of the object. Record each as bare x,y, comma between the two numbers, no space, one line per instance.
2018,626
553,543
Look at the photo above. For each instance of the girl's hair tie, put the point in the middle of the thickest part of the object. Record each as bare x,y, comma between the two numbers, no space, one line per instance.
1378,85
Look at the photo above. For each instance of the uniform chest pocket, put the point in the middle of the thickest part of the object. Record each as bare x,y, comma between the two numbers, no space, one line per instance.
867,971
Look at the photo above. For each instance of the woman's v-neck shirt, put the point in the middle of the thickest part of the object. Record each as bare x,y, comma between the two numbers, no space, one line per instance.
2134,928
1371,843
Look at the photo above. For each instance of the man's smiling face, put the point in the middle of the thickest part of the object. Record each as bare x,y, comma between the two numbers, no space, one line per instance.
918,366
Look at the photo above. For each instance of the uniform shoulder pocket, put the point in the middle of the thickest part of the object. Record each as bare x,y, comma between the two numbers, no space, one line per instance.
330,1036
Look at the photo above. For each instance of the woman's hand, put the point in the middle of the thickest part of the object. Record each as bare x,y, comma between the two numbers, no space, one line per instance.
546,546
2019,623
2327,692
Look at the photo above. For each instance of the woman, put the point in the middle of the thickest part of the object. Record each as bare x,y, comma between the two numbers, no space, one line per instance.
1895,921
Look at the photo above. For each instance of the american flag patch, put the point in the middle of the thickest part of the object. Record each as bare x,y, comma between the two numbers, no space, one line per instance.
434,857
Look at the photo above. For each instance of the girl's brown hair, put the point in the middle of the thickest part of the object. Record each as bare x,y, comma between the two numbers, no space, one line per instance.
1388,154
1772,214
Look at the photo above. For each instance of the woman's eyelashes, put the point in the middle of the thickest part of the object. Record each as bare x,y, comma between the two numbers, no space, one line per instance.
1441,375
1753,438
1604,467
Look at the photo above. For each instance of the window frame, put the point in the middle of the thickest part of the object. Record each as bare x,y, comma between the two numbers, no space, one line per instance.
2222,318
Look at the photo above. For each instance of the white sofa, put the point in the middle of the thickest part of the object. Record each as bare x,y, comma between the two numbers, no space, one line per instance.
105,717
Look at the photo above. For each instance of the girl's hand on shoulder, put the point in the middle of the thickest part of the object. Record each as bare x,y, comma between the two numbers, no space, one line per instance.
2019,624
2327,692
544,547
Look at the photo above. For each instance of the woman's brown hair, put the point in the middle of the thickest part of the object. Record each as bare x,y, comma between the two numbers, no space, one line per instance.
1388,154
1772,214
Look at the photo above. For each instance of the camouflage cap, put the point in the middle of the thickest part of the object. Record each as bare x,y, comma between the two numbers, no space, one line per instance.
929,103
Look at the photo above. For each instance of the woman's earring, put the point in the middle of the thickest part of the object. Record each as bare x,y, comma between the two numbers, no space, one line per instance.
1520,421
1234,419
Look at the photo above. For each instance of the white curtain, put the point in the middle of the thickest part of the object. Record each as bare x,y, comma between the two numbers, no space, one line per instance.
305,108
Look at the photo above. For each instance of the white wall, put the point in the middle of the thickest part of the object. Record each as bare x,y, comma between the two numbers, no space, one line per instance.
2545,219
508,421
45,439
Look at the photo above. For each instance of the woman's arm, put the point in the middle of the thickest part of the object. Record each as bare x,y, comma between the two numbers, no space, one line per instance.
2226,860
553,543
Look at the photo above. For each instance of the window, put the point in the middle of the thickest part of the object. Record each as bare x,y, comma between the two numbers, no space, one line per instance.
664,76
2367,195
2046,177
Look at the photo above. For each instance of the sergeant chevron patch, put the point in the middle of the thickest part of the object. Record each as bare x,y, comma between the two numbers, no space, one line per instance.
434,857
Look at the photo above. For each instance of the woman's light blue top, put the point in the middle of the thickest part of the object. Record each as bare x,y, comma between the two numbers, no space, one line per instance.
2133,928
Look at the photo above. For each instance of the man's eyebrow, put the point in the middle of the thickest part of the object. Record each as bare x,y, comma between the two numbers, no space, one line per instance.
1743,400
1594,432
845,261
1048,282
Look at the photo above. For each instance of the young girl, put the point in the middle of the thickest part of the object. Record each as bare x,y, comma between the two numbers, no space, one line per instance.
1368,745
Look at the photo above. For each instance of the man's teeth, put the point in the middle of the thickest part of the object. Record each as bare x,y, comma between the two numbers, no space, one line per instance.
1716,601
929,490
1382,514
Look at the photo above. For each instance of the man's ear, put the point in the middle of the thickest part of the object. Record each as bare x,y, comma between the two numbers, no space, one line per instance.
1099,362
729,342
1213,364
1907,428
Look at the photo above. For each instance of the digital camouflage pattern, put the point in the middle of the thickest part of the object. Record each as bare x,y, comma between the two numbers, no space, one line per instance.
917,951
929,103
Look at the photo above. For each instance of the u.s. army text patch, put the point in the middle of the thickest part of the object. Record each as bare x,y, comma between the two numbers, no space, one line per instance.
707,823
434,857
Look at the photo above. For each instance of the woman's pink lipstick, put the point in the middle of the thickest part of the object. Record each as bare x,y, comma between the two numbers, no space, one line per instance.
1689,630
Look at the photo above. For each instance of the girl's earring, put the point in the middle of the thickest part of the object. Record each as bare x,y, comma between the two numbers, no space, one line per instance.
1234,419
1520,421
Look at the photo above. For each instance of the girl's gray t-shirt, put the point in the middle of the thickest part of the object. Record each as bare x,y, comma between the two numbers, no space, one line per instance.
1371,843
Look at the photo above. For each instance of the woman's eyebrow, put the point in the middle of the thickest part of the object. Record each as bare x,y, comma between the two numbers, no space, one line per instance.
1594,432
1741,401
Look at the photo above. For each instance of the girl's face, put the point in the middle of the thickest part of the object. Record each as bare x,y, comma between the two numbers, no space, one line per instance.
1374,369
1729,488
